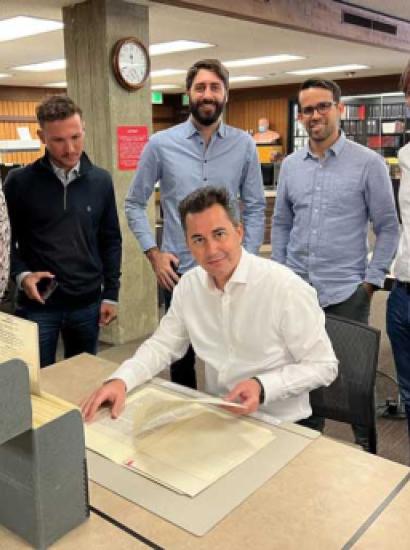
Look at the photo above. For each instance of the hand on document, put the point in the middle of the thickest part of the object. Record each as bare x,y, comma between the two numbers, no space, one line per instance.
248,392
113,392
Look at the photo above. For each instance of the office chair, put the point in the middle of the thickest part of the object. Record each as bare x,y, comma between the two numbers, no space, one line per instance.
350,398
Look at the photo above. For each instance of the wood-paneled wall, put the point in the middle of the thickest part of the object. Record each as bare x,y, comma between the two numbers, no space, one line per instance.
244,113
15,114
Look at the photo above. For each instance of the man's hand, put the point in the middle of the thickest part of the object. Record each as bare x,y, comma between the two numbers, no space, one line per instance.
369,288
161,263
108,312
113,392
248,392
29,284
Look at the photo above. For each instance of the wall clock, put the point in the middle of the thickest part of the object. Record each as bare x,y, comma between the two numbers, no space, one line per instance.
130,63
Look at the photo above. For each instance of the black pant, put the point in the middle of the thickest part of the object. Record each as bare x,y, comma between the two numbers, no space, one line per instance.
183,370
357,308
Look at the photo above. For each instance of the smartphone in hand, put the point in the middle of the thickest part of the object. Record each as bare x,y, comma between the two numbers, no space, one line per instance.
46,287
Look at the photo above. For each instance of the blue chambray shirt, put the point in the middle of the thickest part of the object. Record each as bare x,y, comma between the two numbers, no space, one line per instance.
322,211
178,158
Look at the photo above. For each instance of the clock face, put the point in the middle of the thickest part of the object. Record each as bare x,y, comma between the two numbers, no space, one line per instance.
131,63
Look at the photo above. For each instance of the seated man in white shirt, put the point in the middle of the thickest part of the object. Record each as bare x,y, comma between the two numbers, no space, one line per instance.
256,325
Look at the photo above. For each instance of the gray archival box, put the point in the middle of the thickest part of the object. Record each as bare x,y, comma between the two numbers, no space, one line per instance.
43,479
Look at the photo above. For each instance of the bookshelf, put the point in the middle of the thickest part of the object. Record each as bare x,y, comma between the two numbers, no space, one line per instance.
378,122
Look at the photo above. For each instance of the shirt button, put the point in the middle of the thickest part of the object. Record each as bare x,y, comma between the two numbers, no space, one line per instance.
205,179
205,161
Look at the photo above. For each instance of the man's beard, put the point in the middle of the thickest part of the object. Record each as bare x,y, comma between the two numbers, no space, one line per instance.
206,119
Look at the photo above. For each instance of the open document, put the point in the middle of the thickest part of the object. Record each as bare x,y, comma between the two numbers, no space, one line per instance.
19,340
184,444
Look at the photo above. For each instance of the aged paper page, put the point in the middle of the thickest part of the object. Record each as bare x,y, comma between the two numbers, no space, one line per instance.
194,447
19,340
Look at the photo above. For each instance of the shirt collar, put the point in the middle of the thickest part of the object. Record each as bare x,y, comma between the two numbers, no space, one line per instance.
61,173
239,276
192,130
335,149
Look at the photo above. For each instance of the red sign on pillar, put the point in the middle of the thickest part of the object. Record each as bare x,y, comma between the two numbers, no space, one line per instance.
131,141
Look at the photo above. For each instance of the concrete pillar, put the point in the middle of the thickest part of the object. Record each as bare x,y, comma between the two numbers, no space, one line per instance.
90,32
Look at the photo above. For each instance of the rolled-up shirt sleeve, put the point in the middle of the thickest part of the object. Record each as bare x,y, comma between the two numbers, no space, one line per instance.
142,187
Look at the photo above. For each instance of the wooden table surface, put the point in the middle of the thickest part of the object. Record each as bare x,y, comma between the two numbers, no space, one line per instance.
321,499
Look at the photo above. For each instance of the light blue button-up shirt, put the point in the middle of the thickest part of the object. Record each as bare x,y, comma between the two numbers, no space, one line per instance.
322,211
179,159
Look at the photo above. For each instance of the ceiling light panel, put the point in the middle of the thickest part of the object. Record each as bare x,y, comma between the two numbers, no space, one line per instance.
335,69
165,86
55,65
166,72
177,46
56,85
21,26
4,75
244,78
265,60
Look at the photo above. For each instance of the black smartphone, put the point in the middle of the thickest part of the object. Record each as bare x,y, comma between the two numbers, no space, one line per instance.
46,287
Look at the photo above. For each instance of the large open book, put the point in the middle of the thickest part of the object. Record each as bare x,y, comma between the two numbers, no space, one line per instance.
184,444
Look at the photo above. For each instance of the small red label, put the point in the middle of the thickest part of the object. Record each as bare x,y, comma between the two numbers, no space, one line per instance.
131,142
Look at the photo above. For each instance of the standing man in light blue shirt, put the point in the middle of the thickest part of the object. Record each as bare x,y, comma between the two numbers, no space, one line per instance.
199,152
328,193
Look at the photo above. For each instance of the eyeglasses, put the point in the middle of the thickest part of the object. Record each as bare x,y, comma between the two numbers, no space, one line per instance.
322,108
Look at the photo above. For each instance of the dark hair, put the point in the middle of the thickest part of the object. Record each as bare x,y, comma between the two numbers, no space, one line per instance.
56,107
324,84
213,65
204,198
404,83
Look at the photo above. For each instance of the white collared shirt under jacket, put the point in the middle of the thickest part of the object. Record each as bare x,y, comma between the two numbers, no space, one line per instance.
265,323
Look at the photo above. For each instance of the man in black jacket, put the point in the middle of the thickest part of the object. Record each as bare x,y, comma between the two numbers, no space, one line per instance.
66,240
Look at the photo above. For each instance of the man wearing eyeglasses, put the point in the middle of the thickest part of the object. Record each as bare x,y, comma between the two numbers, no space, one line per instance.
328,193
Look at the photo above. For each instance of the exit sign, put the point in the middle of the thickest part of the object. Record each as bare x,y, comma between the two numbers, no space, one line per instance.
156,98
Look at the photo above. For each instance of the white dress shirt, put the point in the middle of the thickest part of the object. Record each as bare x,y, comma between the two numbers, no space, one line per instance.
402,264
265,323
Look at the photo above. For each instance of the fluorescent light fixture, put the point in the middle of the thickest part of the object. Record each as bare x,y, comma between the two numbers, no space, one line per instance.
21,26
266,60
4,75
56,85
54,65
177,46
335,69
369,96
167,72
244,78
164,86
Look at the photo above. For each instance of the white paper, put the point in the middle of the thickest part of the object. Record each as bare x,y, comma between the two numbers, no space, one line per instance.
181,443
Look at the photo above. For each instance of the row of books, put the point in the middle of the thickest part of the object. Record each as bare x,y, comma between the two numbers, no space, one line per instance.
377,142
372,127
376,110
